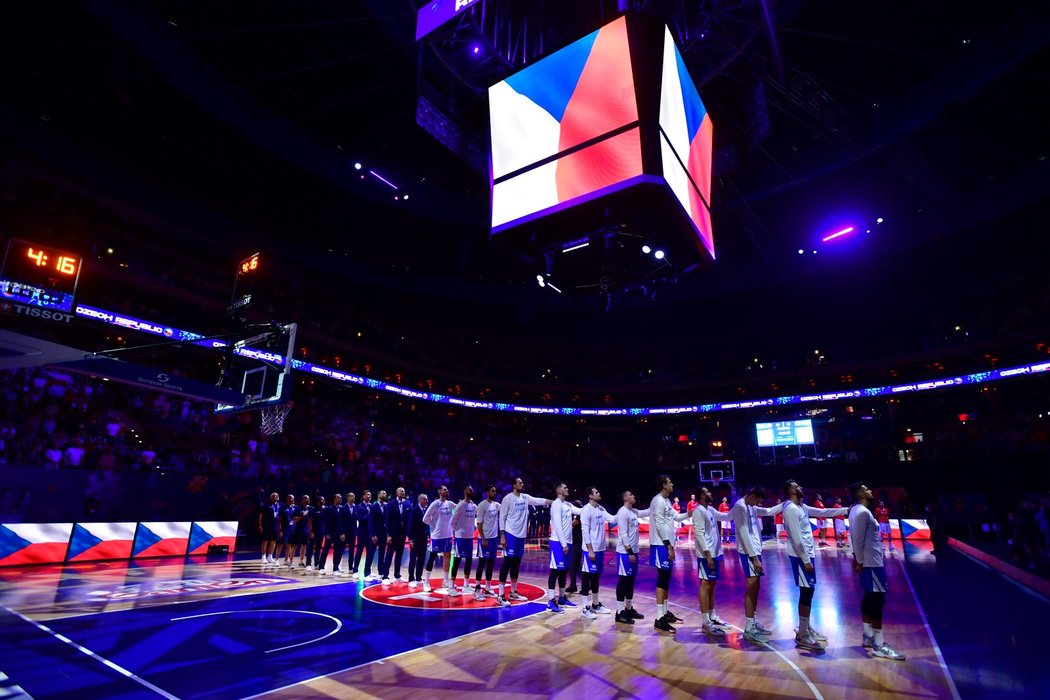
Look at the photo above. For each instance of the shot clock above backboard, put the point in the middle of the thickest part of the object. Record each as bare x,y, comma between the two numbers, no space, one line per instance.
38,275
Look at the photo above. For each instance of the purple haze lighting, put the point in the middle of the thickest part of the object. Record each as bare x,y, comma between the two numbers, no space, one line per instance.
838,234
382,179
475,49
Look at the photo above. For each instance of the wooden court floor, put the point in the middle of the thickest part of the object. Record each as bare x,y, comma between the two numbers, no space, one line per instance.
232,628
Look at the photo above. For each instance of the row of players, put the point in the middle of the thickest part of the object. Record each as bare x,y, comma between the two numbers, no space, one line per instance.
503,524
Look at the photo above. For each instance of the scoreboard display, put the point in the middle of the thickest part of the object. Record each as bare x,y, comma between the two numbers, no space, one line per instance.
789,432
39,276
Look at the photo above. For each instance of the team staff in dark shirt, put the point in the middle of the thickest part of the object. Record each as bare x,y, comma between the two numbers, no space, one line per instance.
364,533
418,531
396,531
270,527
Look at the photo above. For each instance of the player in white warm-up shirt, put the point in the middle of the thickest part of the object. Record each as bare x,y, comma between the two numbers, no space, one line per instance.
560,543
663,521
488,541
627,558
706,534
439,518
867,551
801,553
747,514
464,517
594,520
514,527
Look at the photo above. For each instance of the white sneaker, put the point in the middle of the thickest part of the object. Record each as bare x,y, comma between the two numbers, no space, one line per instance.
755,635
322,572
806,641
503,601
479,594
765,632
888,652
354,575
514,595
426,587
386,582
453,592
588,614
398,579
411,584
712,630
601,609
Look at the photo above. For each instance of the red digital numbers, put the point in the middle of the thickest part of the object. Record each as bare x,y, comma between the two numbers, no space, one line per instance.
250,264
39,256
66,265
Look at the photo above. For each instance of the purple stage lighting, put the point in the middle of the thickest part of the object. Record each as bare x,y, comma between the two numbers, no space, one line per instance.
838,234
475,49
382,179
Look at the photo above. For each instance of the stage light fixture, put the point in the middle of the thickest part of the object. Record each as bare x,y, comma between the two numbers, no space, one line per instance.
542,282
659,255
646,249
838,234
800,251
357,166
878,220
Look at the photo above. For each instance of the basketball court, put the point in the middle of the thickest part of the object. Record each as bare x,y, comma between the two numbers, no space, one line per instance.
200,628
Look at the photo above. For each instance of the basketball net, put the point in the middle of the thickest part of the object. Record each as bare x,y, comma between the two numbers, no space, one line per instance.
273,418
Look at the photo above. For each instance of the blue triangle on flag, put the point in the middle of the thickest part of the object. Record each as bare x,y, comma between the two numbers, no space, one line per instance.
198,536
907,529
144,539
82,541
10,542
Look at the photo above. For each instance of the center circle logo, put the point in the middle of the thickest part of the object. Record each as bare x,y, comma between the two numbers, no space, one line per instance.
401,596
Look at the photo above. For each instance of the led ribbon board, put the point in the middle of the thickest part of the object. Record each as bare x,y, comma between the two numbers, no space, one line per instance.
112,318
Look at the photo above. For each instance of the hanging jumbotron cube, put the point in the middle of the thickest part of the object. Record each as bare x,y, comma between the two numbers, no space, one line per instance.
608,133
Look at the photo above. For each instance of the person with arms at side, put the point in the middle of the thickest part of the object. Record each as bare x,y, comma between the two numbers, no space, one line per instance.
417,540
362,513
396,532
270,528
663,522
868,562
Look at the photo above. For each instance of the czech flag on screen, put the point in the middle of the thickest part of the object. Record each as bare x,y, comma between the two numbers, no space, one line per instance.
34,543
687,141
574,95
161,540
96,541
204,535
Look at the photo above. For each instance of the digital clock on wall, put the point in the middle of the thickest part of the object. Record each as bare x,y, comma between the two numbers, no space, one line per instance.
39,275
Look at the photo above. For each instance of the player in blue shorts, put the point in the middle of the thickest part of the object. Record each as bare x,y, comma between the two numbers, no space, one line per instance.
513,525
663,521
594,522
867,552
439,518
708,543
288,511
464,519
747,513
801,553
627,559
488,542
560,543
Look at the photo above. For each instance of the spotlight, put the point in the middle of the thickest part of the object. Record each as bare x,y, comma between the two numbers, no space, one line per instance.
476,49
659,255
878,220
800,251
357,166
542,282
646,249
405,197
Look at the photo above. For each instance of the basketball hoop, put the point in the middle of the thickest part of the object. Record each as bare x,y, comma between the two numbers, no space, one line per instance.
273,417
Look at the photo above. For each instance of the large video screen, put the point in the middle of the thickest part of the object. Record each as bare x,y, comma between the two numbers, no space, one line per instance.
576,95
789,432
686,142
